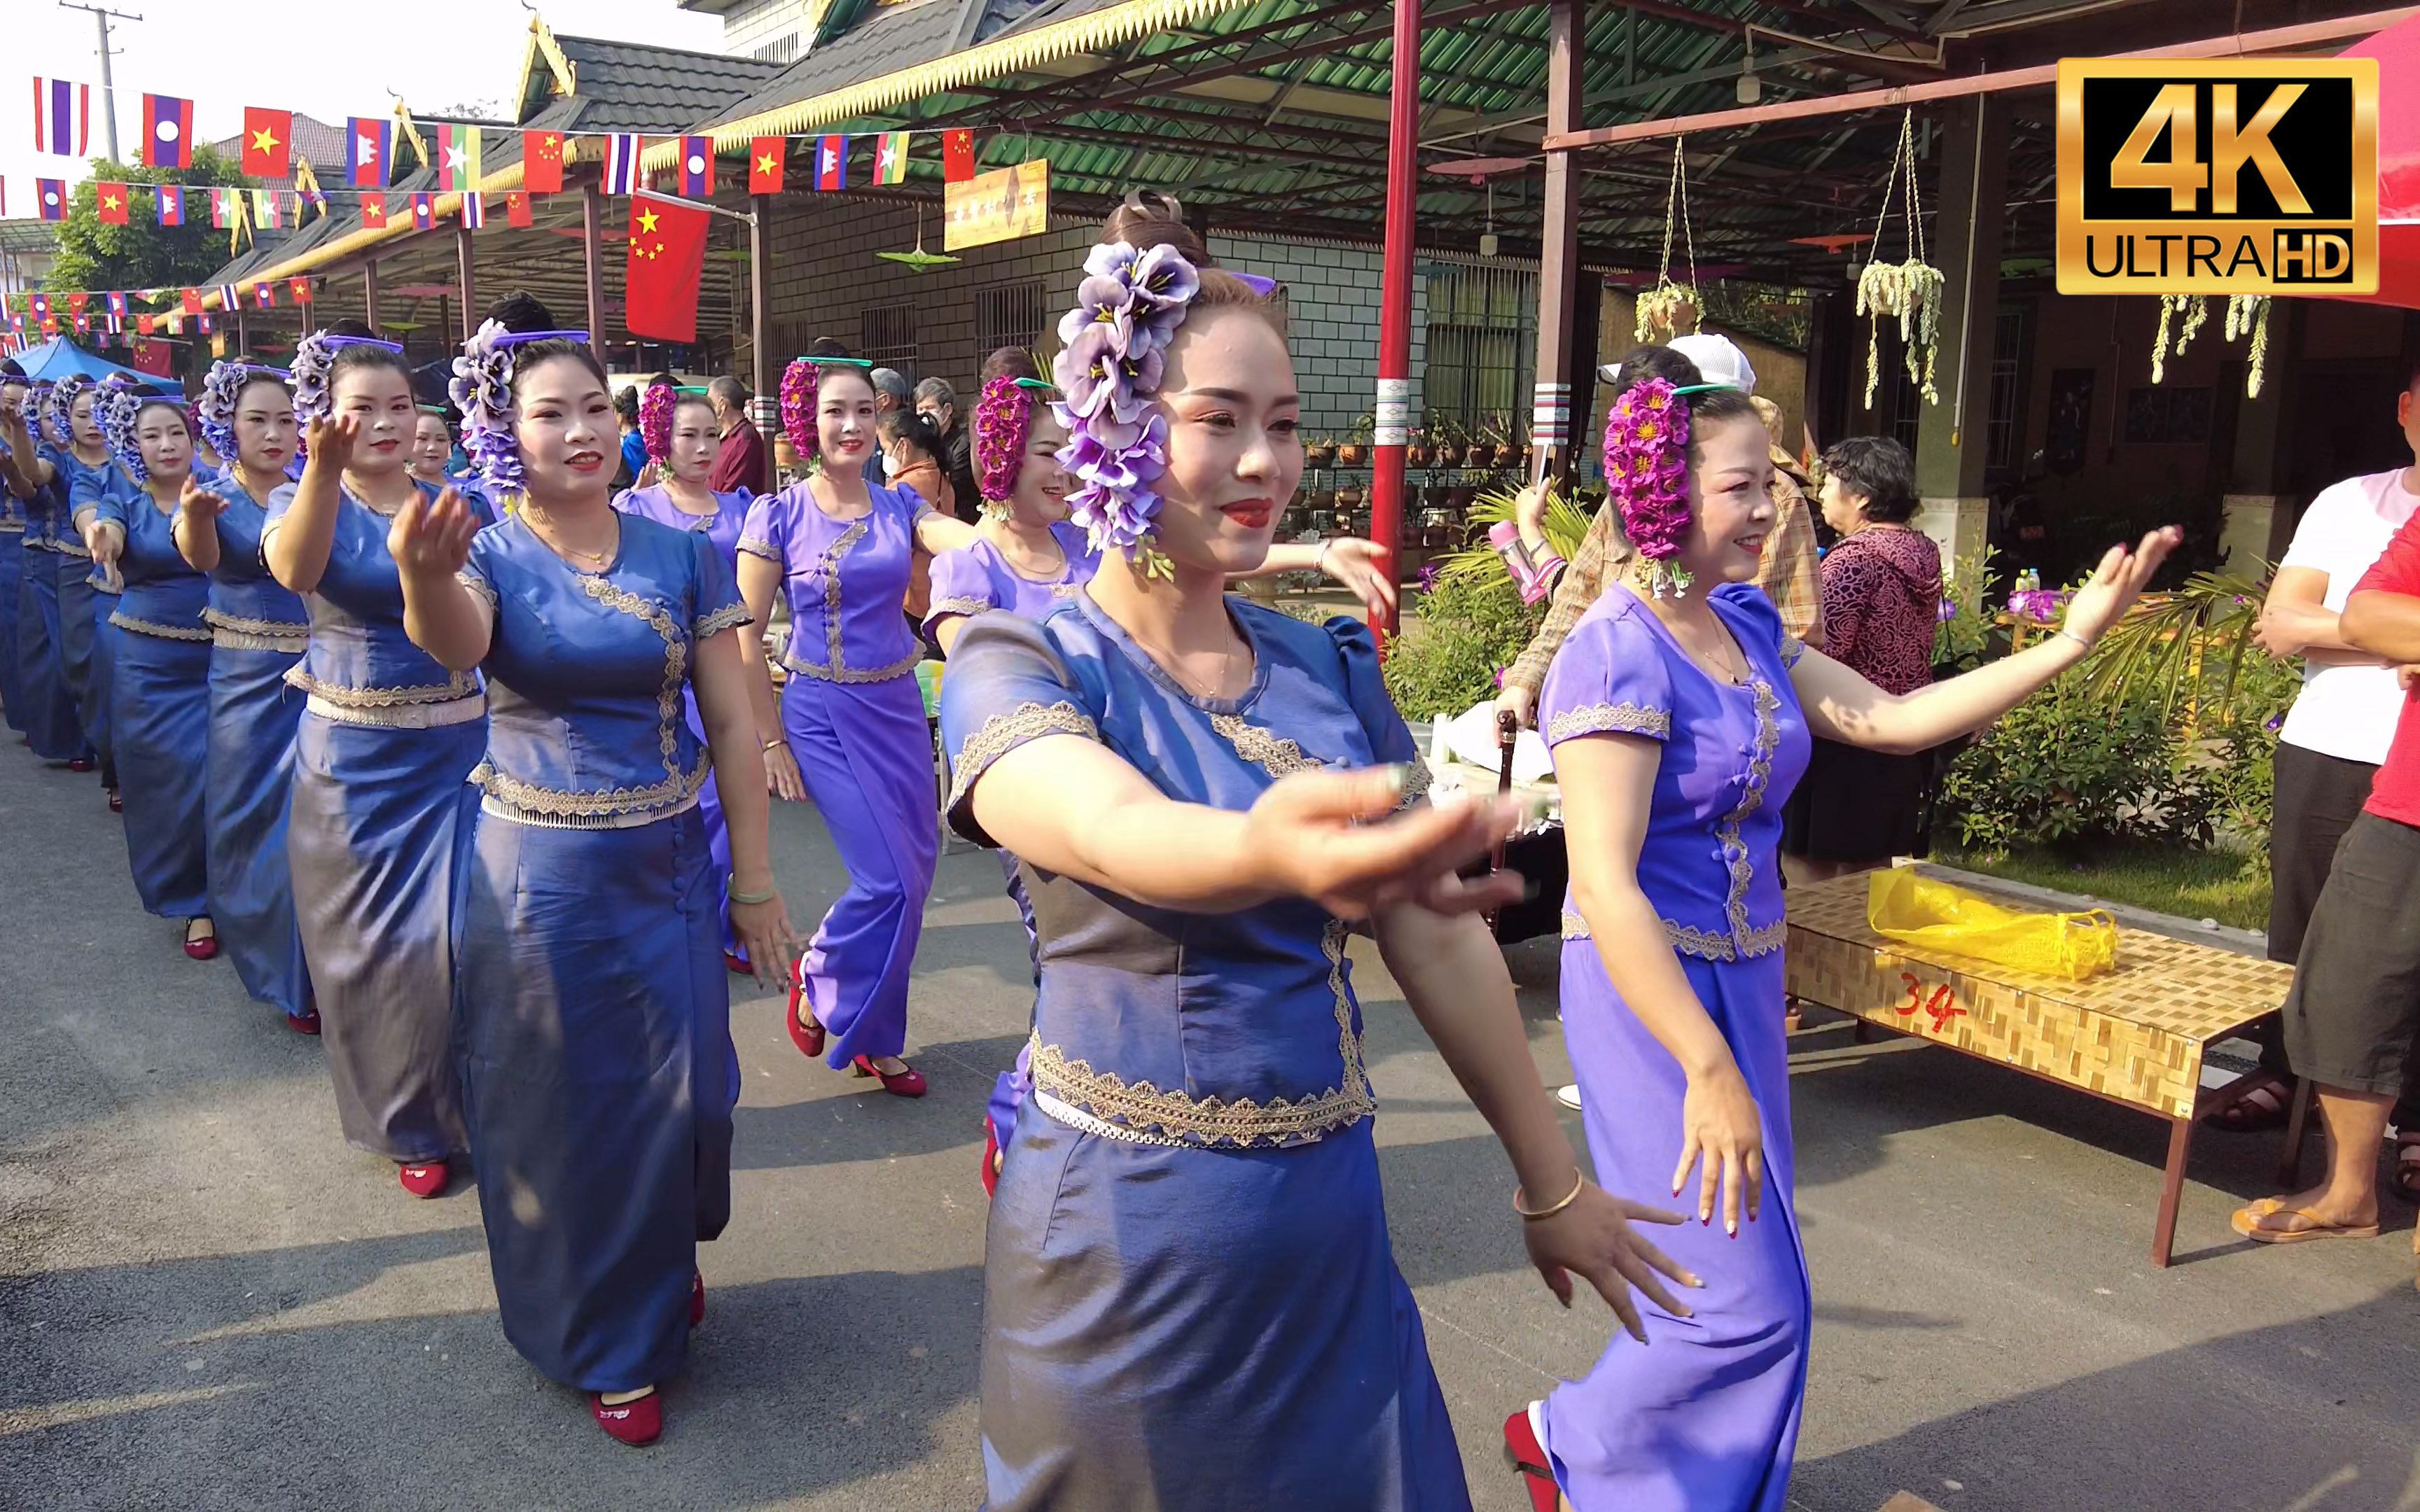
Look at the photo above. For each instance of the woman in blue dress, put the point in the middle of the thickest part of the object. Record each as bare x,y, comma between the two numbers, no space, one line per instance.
160,681
382,757
1191,1302
88,596
593,1009
12,553
29,438
259,631
679,429
1679,713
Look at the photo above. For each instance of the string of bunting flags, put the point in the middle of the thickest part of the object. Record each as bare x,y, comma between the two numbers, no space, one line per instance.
51,311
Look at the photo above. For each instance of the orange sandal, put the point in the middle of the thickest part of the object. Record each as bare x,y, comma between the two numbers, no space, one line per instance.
2246,1222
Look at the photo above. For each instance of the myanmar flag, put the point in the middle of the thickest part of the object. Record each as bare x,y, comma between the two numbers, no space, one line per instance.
457,156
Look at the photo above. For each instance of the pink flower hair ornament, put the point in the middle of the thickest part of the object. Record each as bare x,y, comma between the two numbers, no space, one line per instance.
1116,340
1003,424
1647,476
655,406
801,381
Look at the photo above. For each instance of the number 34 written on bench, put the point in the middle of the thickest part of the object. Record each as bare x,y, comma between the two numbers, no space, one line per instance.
1942,1005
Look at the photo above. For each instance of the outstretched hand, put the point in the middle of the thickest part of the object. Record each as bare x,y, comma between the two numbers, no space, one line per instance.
1594,1238
1360,566
199,504
331,440
2120,581
1326,836
432,539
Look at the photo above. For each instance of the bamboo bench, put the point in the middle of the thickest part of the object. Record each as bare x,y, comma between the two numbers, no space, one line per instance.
2136,1035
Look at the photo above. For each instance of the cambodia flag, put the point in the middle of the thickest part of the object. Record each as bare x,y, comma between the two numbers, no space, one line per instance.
542,163
168,132
51,195
517,211
765,162
117,303
110,200
697,166
667,263
367,140
424,212
267,143
831,162
62,116
171,198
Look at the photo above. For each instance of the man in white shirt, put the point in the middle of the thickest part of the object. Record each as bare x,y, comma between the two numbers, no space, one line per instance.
2337,731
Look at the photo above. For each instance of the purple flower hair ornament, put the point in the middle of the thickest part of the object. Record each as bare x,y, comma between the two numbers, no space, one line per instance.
1647,477
117,411
655,406
215,411
1126,311
58,414
482,390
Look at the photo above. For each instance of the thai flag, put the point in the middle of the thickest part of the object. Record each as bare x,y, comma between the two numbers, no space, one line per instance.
168,132
831,162
622,164
474,210
62,116
697,166
117,325
172,204
228,298
51,195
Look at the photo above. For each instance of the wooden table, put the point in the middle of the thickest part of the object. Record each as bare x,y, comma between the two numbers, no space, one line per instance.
2134,1035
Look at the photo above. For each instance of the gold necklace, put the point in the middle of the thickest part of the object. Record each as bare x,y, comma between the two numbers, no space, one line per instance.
572,554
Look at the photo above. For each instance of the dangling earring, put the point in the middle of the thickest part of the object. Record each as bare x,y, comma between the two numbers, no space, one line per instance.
1662,576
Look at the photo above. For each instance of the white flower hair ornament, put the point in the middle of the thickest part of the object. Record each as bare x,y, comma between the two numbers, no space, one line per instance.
481,389
1115,346
315,356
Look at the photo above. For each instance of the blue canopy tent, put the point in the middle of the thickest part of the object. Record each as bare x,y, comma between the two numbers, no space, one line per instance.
60,357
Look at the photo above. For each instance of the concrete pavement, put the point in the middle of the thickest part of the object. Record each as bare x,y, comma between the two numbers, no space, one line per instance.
207,1301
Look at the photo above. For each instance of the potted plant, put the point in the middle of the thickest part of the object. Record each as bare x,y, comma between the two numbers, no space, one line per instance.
1416,451
1450,440
1348,498
1318,451
1354,450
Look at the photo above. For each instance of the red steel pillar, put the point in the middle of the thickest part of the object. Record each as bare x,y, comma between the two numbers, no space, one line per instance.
1393,411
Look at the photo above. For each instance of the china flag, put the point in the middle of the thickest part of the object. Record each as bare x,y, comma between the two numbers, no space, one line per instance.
542,161
958,156
267,143
667,262
111,201
517,211
766,155
145,324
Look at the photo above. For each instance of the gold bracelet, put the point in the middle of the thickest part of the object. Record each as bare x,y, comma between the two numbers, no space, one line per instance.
733,892
777,740
1579,1180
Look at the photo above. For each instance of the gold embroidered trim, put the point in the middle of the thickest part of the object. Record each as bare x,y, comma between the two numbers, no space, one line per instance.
1574,927
1083,1123
226,640
276,629
1274,754
1791,649
478,585
66,549
668,698
1416,783
408,717
835,662
1214,1123
852,674
1003,732
457,686
1766,940
720,620
1624,719
1759,769
564,809
12,527
756,546
1705,944
153,627
957,603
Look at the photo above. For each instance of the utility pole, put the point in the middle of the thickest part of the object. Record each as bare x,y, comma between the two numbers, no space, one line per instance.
102,16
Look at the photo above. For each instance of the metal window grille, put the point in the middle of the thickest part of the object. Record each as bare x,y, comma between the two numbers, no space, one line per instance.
1010,315
886,336
2004,425
1481,344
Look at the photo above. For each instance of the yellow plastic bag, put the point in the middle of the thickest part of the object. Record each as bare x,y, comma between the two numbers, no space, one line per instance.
1936,916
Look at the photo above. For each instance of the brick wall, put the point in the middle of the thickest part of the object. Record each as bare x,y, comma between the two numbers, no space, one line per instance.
825,276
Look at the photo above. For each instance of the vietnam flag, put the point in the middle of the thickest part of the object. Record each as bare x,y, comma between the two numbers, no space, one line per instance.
267,143
367,142
374,211
958,156
697,166
667,263
300,288
168,132
542,161
517,211
111,200
766,157
171,198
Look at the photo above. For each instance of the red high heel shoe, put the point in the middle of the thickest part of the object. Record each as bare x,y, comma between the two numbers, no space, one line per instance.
206,948
637,1423
307,1023
696,1298
81,764
737,968
423,1178
810,1042
117,801
990,1158
908,1082
1529,1457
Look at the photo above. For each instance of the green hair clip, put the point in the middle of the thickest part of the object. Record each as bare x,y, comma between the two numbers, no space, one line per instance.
864,363
1037,385
1687,389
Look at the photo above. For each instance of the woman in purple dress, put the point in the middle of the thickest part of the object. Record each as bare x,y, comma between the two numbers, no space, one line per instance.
679,429
1678,712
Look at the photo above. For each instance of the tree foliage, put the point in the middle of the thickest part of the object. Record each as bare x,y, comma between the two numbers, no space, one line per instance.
143,253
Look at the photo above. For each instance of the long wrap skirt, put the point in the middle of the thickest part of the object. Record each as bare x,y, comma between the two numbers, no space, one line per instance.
1705,1419
595,1022
83,654
160,723
12,572
866,753
51,726
375,839
1204,1330
254,713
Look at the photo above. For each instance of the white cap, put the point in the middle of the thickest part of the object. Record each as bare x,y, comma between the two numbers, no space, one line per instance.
1718,359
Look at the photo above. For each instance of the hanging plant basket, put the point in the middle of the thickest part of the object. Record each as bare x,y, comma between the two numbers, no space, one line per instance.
1910,291
2247,315
1663,310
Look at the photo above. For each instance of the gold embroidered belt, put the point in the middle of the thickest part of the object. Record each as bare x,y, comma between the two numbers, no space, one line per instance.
1705,944
400,716
154,628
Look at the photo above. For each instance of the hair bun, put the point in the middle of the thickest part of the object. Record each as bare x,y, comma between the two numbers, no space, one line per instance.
1010,363
1151,219
519,311
353,328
